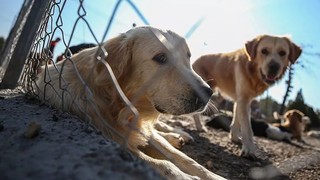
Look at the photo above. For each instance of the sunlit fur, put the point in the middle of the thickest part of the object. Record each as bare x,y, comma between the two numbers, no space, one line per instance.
148,84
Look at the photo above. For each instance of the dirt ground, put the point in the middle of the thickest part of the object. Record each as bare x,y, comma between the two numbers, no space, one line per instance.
59,146
214,150
62,147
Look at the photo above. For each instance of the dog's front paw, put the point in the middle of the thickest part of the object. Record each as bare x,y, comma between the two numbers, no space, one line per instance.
180,142
186,136
253,153
235,138
175,140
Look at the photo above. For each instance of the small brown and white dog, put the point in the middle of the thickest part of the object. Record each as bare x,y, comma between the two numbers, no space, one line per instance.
294,122
152,67
292,125
244,74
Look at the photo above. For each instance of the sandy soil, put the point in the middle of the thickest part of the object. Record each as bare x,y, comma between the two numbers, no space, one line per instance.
59,146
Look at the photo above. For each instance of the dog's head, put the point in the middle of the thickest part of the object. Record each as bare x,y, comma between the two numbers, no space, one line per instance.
295,121
295,116
154,66
272,55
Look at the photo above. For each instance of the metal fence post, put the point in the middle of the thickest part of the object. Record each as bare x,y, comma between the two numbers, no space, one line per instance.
14,34
21,51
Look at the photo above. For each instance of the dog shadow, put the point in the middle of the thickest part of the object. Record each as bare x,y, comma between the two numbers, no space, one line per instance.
215,151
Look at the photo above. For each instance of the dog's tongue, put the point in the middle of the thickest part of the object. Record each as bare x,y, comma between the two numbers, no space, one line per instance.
271,77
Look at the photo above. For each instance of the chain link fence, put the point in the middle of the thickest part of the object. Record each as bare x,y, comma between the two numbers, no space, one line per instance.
42,56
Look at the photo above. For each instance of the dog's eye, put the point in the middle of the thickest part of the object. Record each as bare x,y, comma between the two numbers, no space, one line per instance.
265,51
160,58
282,53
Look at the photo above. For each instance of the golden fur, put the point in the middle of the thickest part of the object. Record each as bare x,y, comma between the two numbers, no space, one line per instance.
244,74
153,76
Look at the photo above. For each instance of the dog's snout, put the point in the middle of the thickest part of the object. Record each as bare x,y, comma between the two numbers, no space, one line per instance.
273,67
207,91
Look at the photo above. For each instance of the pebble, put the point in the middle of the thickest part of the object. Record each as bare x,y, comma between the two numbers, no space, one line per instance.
33,130
209,164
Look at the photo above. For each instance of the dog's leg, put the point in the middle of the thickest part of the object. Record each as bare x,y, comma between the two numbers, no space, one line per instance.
182,161
243,116
200,127
161,126
235,131
165,168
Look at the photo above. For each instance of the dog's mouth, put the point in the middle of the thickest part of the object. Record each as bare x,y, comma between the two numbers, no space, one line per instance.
167,111
196,101
159,109
200,105
190,106
270,79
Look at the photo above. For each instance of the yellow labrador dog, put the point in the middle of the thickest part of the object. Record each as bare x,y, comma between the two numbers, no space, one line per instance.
244,74
152,67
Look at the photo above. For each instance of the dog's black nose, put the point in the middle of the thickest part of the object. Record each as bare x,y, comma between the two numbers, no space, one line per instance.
273,68
207,91
203,93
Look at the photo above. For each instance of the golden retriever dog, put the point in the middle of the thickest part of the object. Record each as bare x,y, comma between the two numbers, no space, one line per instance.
152,68
244,74
294,122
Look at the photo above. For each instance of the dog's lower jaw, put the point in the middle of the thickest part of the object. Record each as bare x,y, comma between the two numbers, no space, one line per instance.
267,80
180,111
159,109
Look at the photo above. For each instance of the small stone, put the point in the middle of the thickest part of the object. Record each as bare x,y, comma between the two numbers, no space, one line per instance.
209,164
33,130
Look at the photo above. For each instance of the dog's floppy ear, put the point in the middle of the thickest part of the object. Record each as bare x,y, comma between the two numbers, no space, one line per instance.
251,48
288,114
295,51
119,51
